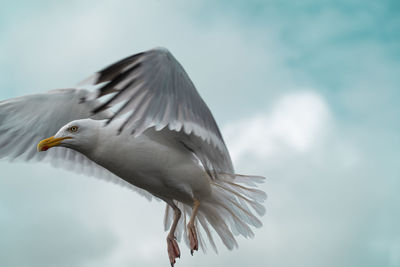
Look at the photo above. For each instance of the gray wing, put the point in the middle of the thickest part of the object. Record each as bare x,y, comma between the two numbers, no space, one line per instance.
155,91
26,120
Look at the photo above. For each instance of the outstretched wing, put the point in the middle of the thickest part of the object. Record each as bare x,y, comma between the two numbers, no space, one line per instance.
26,120
155,91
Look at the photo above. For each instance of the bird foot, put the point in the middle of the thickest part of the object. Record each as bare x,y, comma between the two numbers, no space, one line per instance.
194,242
173,249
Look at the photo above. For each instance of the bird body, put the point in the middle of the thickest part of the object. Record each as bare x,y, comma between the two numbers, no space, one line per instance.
152,161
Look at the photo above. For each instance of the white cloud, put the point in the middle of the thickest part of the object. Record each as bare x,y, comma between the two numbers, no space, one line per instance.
296,122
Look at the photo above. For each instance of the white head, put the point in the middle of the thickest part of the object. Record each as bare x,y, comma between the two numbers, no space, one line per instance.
80,135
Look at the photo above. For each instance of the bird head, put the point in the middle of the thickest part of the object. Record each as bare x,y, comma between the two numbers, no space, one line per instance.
78,135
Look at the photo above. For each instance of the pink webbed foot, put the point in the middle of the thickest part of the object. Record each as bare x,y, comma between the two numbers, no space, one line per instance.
194,242
173,250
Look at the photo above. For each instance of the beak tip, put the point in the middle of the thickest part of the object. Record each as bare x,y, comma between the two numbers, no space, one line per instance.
41,149
45,144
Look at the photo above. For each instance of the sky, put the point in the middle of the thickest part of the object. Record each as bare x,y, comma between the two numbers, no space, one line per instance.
306,94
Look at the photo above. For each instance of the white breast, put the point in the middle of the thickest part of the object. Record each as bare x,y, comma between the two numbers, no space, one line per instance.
152,162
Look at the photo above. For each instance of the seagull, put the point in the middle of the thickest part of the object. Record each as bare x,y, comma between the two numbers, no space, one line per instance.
145,126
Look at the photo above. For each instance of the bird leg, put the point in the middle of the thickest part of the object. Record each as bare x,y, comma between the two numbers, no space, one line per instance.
194,242
172,245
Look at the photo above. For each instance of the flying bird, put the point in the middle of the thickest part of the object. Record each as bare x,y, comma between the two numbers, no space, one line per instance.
143,125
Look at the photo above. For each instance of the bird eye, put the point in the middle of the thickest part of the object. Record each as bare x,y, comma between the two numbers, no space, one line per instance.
73,129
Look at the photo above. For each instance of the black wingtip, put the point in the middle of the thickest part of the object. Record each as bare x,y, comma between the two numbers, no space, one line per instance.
99,109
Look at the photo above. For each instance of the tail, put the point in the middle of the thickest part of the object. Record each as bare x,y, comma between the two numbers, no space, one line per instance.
229,211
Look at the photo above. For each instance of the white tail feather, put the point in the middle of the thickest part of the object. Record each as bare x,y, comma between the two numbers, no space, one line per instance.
229,211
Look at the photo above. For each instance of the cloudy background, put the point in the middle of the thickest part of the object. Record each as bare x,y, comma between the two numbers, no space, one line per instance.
306,93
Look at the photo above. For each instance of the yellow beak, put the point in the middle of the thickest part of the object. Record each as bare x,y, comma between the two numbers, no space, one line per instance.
49,143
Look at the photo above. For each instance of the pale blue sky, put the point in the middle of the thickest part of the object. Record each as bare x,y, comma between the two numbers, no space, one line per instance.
306,94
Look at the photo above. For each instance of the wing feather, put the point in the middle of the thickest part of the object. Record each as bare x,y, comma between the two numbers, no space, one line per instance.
155,91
